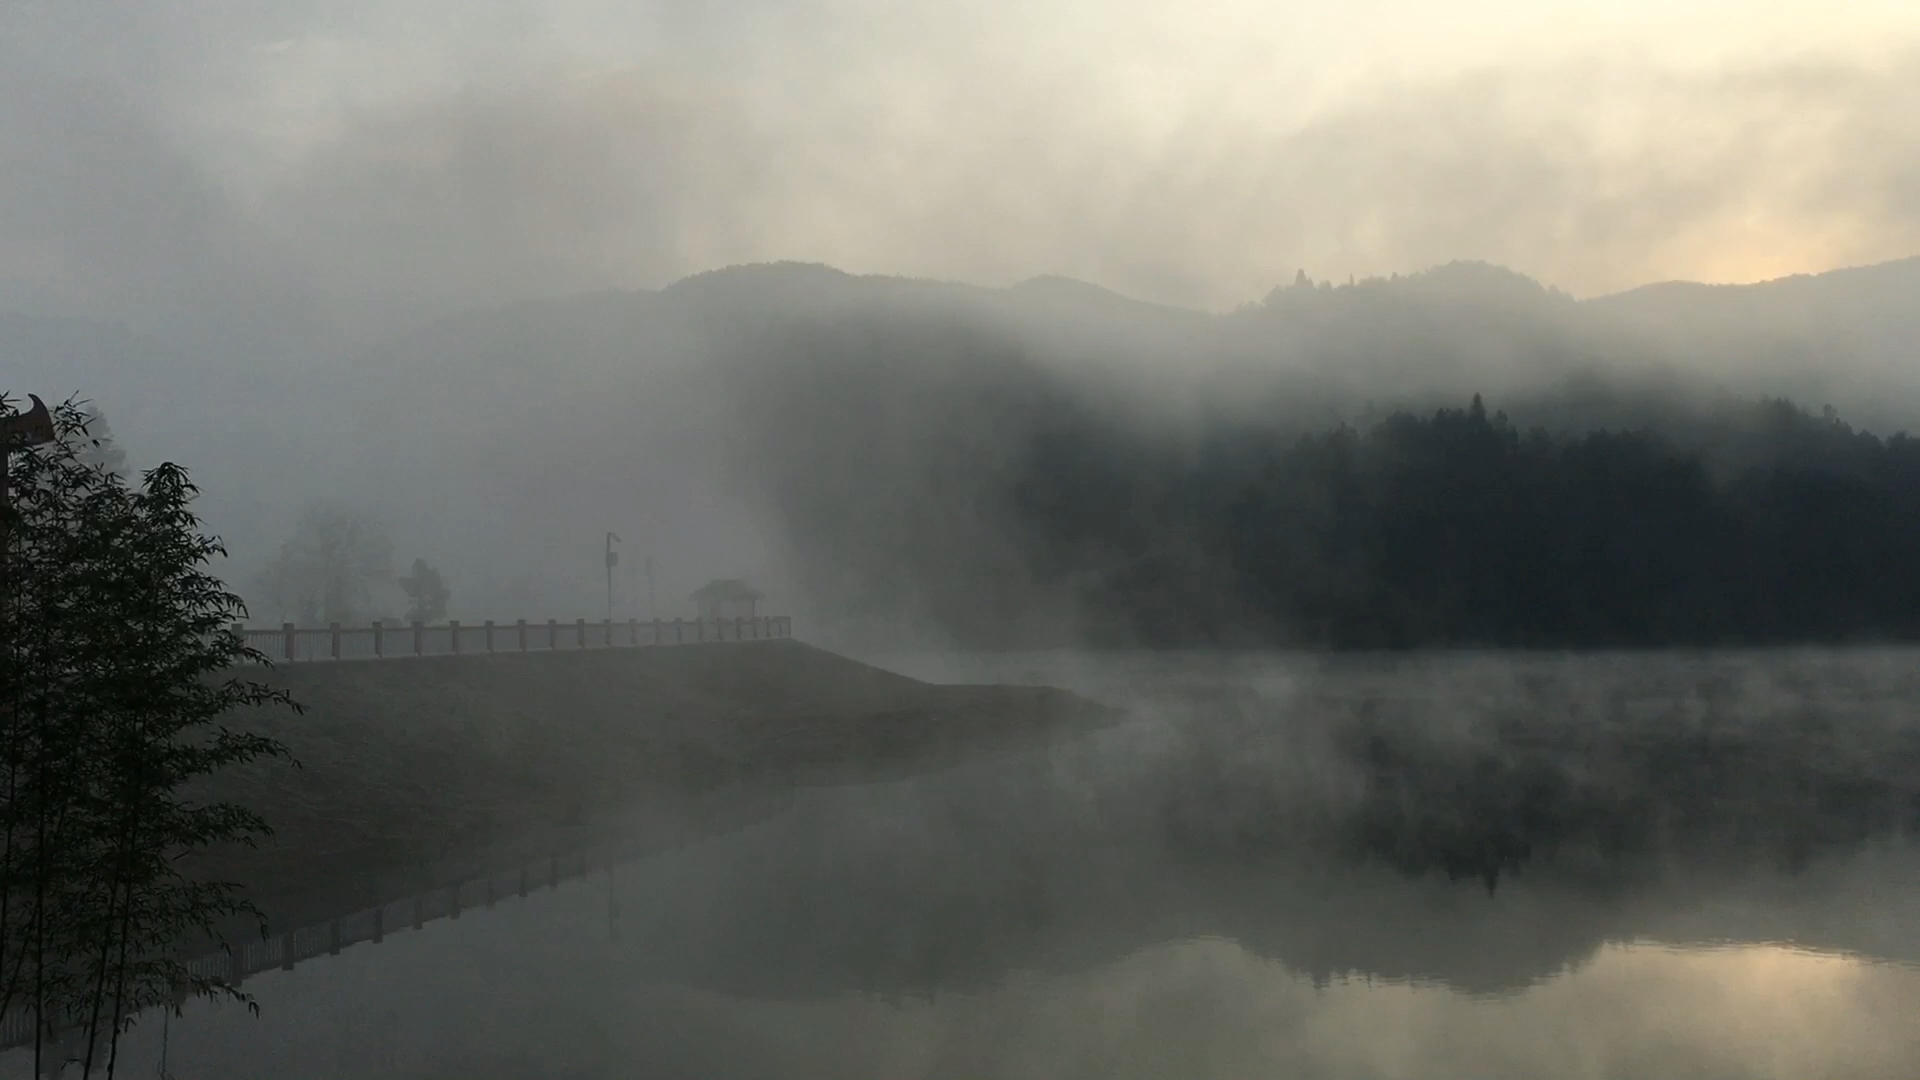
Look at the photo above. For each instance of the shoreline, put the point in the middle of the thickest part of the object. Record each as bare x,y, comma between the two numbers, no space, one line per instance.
413,775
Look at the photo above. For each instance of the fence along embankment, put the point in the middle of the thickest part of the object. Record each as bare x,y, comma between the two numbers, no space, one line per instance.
289,643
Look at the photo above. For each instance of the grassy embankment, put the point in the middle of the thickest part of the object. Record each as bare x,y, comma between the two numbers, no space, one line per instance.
415,772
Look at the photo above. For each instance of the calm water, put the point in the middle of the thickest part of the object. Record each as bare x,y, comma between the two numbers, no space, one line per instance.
1462,866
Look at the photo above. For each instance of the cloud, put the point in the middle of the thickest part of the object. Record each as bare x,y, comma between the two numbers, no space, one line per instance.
555,179
506,190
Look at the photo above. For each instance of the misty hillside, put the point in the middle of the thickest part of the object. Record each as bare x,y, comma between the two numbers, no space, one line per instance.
1842,338
711,421
1855,331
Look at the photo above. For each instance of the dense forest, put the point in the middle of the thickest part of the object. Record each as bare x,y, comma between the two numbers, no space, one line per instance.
1008,508
1459,528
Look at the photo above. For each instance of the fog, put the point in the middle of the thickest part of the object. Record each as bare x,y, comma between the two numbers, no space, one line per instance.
1406,423
400,258
1689,865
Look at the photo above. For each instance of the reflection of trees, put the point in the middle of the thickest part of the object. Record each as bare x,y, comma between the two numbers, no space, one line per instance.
1605,821
1581,786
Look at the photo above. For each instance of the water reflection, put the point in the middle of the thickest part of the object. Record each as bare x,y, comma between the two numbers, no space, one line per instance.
1566,868
545,989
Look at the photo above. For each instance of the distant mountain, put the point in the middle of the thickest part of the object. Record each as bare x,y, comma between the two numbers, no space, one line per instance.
1850,291
545,413
1847,336
1851,336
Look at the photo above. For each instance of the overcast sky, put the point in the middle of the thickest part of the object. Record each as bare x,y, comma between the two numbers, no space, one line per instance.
350,157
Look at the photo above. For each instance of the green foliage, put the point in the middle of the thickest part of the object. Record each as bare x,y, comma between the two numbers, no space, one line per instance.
967,499
1458,528
118,665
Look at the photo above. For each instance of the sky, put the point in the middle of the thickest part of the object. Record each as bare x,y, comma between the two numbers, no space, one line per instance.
360,164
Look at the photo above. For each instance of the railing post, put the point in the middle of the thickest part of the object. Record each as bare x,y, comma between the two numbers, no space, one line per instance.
419,639
379,639
453,636
333,640
489,635
520,631
292,636
553,633
582,626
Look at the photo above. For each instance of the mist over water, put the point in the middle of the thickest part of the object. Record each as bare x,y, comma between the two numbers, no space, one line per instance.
1372,867
1326,387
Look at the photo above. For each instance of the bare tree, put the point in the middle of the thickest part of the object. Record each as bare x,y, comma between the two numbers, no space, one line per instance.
328,570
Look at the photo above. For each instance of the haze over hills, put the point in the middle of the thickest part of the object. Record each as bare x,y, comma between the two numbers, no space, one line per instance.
513,430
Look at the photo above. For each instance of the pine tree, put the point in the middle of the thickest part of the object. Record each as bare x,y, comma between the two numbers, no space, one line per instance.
427,593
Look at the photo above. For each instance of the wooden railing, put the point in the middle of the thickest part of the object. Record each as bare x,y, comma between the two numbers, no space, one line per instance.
290,643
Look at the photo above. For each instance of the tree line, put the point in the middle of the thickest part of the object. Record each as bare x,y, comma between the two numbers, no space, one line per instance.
1755,525
337,568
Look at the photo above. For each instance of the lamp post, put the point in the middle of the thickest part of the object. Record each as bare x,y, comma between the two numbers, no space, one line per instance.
613,559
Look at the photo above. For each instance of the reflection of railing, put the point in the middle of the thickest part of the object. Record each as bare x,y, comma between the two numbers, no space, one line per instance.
373,924
379,641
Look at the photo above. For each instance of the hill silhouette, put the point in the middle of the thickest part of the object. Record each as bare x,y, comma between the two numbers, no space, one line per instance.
713,392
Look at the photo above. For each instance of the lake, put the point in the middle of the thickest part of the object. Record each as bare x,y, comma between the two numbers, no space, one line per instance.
1422,866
